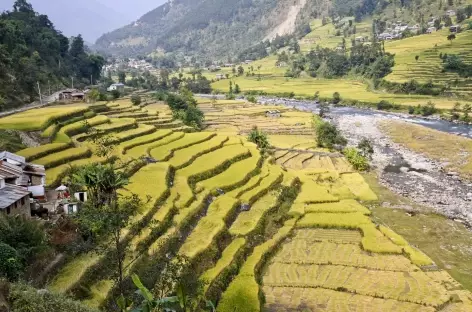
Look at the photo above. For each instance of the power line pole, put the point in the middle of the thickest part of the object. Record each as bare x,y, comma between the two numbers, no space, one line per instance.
91,80
49,85
72,82
40,97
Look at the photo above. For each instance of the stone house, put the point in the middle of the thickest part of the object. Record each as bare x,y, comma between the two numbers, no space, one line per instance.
16,171
14,200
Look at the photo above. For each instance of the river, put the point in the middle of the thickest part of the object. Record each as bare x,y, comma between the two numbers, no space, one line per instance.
433,123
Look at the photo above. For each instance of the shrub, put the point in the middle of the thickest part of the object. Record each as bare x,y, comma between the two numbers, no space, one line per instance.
384,105
252,99
336,98
194,118
357,160
366,148
259,138
136,99
25,299
329,136
11,265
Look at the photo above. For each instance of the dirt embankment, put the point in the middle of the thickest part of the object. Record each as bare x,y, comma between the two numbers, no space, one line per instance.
406,164
287,24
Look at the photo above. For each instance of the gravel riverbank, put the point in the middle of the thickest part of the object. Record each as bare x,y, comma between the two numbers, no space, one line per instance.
410,174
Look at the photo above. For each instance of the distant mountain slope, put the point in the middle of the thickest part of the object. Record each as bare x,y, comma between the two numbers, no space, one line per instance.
217,28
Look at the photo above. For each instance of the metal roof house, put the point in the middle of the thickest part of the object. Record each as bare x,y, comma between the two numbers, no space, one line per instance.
16,171
13,199
116,86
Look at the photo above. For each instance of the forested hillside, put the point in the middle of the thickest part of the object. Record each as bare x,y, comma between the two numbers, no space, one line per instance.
32,51
218,28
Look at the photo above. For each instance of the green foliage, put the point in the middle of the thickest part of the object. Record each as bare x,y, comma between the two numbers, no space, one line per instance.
357,160
328,135
324,109
122,77
385,105
31,51
424,110
24,298
136,99
115,94
259,138
336,98
21,240
10,141
455,63
11,265
251,99
366,148
194,118
94,95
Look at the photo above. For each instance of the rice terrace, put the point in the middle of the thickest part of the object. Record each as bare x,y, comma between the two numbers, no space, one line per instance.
287,231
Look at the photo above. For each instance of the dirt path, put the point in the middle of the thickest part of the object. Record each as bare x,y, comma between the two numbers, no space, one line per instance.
410,174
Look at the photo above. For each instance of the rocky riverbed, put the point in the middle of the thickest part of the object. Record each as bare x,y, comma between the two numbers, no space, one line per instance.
407,173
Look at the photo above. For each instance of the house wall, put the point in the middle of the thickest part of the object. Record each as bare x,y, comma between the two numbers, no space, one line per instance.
21,207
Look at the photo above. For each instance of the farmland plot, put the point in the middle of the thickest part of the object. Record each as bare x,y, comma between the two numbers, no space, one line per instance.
292,227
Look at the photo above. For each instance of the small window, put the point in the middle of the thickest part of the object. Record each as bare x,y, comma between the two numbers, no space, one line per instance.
23,201
8,210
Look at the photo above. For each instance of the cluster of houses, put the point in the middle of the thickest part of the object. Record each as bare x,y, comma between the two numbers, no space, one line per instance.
21,183
398,28
127,64
22,189
396,31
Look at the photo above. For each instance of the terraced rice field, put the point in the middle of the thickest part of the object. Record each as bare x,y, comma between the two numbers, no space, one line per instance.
292,227
428,67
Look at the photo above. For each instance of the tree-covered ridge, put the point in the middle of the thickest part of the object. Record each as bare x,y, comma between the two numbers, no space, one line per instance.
32,51
215,28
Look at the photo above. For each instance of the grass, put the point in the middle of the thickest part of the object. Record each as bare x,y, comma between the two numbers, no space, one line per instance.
248,221
32,153
306,252
209,227
243,291
207,162
236,173
142,140
343,206
310,299
311,193
63,135
165,151
185,156
357,185
437,145
347,278
63,157
72,272
227,257
37,119
290,141
372,240
142,150
131,134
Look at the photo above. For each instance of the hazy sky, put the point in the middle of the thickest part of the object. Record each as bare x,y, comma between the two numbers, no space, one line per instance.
91,18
